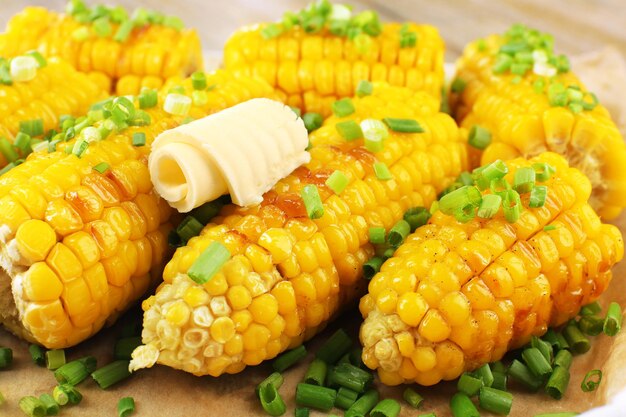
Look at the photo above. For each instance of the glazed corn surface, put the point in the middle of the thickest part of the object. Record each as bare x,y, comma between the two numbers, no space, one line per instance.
455,296
524,117
313,70
78,246
150,55
289,275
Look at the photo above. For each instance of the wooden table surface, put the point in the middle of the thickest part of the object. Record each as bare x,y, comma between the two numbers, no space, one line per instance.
578,25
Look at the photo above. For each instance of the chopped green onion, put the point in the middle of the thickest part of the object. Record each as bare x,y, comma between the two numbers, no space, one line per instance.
337,181
386,408
578,342
484,374
462,406
356,357
345,398
458,85
125,346
275,379
112,373
403,125
198,80
558,382
72,373
6,357
37,354
389,253
349,130
374,132
316,374
377,235
499,380
312,201
363,405
271,401
469,385
65,393
590,105
52,408
416,217
189,228
289,358
23,68
489,206
102,167
301,412
371,267
173,22
590,309
41,61
591,381
520,372
495,400
511,206
539,85
8,151
33,127
364,88
524,180
408,39
428,415
148,99
102,27
544,347
335,347
460,198
79,148
591,325
271,31
349,376
536,362
55,358
314,396
125,406
563,359
549,228
207,211
343,107
398,233
557,96
60,396
22,141
382,171
312,121
502,64
139,139
177,104
613,321
412,398
479,137
209,263
32,406
123,31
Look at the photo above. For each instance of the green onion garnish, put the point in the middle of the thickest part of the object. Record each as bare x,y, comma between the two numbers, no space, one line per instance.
125,406
335,347
371,267
412,398
386,408
316,374
489,206
296,110
139,139
8,150
289,358
590,309
485,375
198,80
563,359
382,171
32,406
403,125
345,398
349,130
312,121
189,228
416,217
111,374
398,233
511,206
591,381
544,347
55,358
363,405
479,137
536,362
208,263
364,88
578,342
275,379
374,132
33,127
377,235
123,31
524,180
494,400
37,354
65,393
102,27
462,406
343,107
22,141
558,382
102,167
125,346
520,372
148,98
41,61
23,68
499,380
460,198
79,148
469,385
312,201
177,104
591,325
315,396
613,321
6,357
52,408
270,31
428,415
502,64
271,401
337,181
349,376
72,373
301,412
458,85
408,39
549,228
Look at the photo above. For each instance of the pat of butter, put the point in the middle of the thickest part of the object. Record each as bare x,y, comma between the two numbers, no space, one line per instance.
242,151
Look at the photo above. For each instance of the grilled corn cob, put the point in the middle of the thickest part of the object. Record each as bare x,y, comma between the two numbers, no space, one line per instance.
526,97
458,295
82,234
153,49
55,90
288,274
314,65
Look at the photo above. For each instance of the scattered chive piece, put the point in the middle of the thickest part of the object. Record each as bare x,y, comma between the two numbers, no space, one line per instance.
416,217
111,374
123,31
349,376
484,374
6,357
460,198
148,99
102,167
462,406
270,31
458,85
613,321
102,27
590,309
519,372
412,398
189,228
372,266
511,206
139,139
549,228
574,337
275,379
314,396
345,398
489,206
497,367
558,382
312,121
343,107
524,180
125,346
544,347
403,125
22,141
37,354
198,80
356,357
7,150
382,171
469,385
32,406
271,401
363,405
349,130
536,362
386,408
337,181
289,358
316,374
41,61
398,233
60,396
177,104
543,171
65,393
563,359
479,137
312,201
364,88
374,132
208,263
591,380
495,400
125,406
428,415
52,408
538,196
335,347
591,325
301,412
377,235
72,373
499,380
55,358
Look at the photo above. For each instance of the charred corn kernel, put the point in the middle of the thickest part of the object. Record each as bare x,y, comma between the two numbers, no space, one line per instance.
149,56
524,120
286,286
523,280
314,70
93,242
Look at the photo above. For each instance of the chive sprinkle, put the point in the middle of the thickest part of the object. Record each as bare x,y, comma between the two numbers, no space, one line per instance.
312,121
592,380
315,396
412,398
398,233
102,167
371,267
613,320
301,412
6,357
271,401
563,359
469,385
55,358
312,201
316,373
403,125
494,400
520,372
337,181
349,376
275,379
52,408
335,347
382,171
37,354
209,263
574,337
349,130
32,406
377,235
125,406
345,398
479,137
363,405
289,358
139,139
111,374
364,88
462,406
66,393
386,408
558,382
343,107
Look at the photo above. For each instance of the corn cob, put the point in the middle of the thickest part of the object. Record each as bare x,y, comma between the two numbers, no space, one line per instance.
313,68
288,274
514,86
156,48
56,90
83,235
458,295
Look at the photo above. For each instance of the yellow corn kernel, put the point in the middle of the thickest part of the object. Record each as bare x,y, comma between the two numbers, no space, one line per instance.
40,283
35,239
